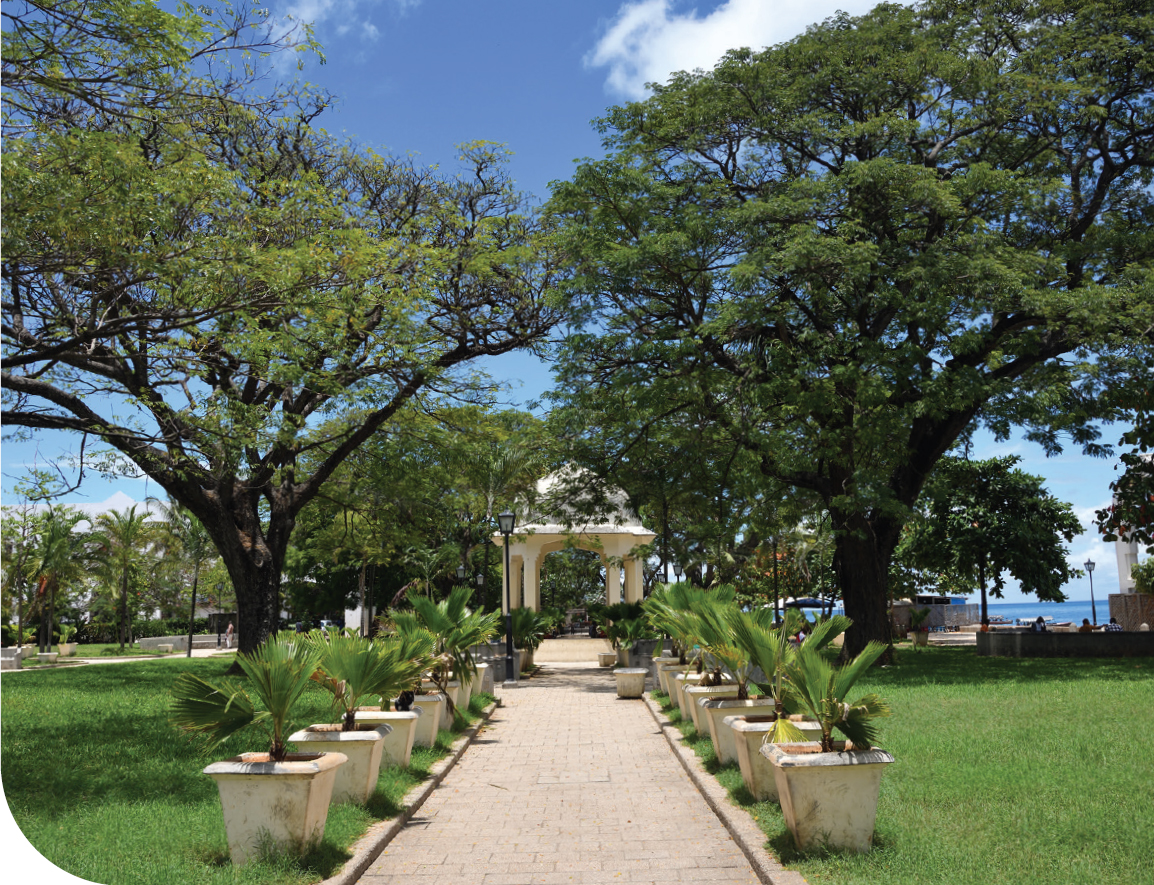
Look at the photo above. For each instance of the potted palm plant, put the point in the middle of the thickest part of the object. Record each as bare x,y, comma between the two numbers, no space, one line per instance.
404,717
66,645
809,772
353,668
272,801
918,626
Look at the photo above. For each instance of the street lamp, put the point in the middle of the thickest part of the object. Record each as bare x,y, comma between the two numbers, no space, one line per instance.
678,571
461,573
1089,563
505,522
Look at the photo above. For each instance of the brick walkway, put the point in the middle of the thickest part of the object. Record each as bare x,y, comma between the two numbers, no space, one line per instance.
567,784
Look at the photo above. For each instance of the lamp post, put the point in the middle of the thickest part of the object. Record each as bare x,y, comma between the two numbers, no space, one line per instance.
219,588
678,571
505,522
480,588
461,573
1093,608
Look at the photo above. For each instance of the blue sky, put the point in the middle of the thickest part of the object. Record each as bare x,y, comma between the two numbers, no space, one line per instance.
423,76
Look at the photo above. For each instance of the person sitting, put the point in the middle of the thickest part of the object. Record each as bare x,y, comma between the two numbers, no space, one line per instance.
1039,625
1113,626
1086,626
985,625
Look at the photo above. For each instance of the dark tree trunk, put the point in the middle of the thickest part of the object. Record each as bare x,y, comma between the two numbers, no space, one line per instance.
123,607
862,553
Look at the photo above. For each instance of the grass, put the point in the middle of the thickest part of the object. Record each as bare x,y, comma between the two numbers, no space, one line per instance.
1008,771
103,787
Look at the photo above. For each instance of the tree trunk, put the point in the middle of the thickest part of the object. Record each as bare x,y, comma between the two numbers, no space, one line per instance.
192,611
982,584
862,553
123,606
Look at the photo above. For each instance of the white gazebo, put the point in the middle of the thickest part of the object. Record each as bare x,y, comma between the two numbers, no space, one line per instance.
573,509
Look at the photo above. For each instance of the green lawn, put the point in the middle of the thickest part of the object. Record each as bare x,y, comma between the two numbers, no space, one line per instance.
107,790
1008,772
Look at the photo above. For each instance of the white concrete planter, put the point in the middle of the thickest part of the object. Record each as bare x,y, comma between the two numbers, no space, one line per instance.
606,658
484,678
756,771
47,657
715,711
278,806
397,747
666,674
680,682
695,694
67,649
622,657
921,637
454,689
526,662
431,706
357,778
828,800
659,662
466,691
630,681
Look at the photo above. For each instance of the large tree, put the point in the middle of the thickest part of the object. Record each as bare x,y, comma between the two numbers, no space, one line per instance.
230,299
853,248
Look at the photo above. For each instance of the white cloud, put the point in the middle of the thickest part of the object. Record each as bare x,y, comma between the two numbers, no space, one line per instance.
649,40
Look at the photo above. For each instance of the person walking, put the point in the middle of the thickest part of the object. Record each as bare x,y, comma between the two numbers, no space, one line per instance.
228,636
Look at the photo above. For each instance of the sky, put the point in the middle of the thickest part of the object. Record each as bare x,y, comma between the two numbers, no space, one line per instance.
423,76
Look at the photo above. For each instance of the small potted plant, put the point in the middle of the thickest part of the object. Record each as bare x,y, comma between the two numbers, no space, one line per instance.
809,772
273,801
66,645
918,626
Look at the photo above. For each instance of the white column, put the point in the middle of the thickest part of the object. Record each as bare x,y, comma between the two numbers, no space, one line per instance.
634,579
1127,555
514,583
612,584
532,597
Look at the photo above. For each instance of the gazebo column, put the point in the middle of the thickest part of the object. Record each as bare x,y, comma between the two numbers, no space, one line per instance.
533,582
515,563
612,584
634,579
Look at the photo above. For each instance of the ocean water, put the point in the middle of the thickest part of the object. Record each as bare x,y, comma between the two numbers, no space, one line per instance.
1071,610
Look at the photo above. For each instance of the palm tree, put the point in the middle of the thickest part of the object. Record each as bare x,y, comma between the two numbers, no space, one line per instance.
183,534
126,538
61,559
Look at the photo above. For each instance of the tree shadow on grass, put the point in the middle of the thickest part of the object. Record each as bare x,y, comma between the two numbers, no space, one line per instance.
963,666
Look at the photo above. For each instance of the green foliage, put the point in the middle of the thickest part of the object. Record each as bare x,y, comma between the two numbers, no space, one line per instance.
1143,575
529,628
456,629
918,617
277,675
821,691
353,668
984,518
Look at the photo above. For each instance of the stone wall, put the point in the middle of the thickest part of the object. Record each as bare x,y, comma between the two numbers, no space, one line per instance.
940,615
1065,645
1132,609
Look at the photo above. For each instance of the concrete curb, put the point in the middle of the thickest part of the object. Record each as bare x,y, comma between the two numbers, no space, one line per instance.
741,826
369,847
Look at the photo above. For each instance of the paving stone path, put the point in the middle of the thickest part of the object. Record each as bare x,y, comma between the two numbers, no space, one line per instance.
567,784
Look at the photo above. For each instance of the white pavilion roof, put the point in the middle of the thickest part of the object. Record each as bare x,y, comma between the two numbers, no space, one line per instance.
573,500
